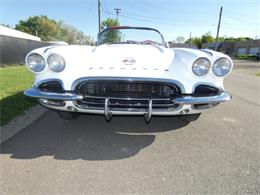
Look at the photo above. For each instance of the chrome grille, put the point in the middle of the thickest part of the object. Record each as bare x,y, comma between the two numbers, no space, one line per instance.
125,95
123,89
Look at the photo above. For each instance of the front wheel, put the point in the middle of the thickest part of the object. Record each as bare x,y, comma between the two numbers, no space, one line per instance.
68,115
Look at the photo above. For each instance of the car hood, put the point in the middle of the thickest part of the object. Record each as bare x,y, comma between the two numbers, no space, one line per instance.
132,55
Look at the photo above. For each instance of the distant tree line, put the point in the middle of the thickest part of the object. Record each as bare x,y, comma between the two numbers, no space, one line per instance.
208,38
51,30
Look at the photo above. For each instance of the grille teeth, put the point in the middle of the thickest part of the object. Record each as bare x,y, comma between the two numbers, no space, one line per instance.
128,89
127,95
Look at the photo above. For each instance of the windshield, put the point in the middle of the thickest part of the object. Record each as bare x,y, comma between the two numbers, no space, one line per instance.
131,35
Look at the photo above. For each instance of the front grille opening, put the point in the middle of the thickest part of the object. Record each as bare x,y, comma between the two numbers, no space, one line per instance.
122,89
125,95
51,86
206,90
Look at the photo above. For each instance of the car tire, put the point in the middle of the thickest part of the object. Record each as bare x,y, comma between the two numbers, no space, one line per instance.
68,115
190,117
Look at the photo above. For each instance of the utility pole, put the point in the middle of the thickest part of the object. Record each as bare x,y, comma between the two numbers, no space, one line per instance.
117,12
99,16
190,39
219,22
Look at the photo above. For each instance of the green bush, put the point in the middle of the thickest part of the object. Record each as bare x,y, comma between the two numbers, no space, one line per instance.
245,57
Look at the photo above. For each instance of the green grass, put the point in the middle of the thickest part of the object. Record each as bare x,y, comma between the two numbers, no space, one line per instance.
245,57
13,81
258,74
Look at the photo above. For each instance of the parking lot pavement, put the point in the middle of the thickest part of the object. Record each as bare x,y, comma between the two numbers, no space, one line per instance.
217,154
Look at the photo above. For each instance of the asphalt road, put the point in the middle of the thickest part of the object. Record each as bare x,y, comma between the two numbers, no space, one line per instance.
218,154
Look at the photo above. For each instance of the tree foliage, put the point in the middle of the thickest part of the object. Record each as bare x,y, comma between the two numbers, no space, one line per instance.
6,25
109,23
207,38
72,35
180,39
41,26
111,36
50,30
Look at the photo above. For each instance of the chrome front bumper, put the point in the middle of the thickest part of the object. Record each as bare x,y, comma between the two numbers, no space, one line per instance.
190,100
108,112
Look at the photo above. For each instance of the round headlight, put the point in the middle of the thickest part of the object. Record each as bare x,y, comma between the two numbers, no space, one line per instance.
35,62
201,66
56,62
222,67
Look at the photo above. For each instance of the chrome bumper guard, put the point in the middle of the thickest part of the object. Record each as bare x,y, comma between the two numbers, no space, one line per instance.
185,100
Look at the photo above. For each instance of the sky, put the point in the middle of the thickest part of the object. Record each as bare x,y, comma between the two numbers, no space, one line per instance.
172,17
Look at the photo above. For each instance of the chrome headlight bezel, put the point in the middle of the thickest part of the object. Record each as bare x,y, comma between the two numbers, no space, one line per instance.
225,71
39,64
56,62
201,66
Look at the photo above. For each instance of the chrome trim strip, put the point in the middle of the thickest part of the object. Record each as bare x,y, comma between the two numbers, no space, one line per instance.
122,98
36,93
223,97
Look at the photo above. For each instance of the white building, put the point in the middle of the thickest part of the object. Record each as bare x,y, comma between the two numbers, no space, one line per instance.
5,31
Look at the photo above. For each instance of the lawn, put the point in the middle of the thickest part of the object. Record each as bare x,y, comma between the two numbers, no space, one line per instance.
258,74
13,81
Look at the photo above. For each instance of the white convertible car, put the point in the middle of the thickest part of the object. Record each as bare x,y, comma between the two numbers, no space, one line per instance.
131,71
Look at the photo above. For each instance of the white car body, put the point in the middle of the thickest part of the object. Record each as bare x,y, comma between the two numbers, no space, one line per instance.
129,62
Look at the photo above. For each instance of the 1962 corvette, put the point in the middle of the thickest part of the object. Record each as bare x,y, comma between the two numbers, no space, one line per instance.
131,71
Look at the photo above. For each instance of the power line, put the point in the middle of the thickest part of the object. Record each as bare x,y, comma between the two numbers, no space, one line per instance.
241,19
155,18
105,6
156,22
244,29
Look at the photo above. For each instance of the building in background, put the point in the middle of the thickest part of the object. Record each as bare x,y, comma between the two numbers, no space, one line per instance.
5,31
251,47
14,45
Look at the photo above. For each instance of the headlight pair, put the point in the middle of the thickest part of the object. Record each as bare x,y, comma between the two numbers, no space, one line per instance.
37,63
221,66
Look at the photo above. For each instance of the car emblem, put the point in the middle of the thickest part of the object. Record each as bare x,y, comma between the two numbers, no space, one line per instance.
129,61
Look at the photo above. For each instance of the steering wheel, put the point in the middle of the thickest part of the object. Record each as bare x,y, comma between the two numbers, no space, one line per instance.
149,42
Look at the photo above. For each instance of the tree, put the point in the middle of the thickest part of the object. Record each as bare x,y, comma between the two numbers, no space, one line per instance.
207,38
6,25
50,30
197,41
111,36
41,26
72,35
109,23
180,39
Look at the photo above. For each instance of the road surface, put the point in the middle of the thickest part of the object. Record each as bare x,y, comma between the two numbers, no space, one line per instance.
218,154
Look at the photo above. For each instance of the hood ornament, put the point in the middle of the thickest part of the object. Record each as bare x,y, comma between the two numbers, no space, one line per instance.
129,61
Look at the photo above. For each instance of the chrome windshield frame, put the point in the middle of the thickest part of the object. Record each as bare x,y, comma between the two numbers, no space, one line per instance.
130,27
